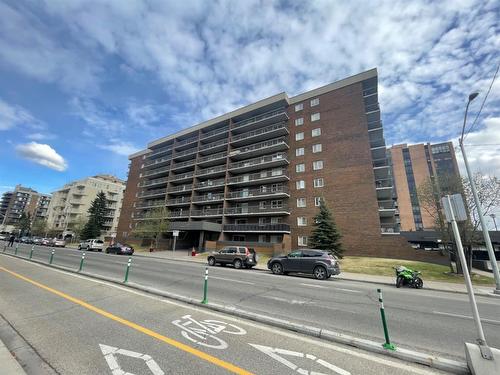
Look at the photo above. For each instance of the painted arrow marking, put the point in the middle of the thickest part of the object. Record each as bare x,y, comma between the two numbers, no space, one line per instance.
277,353
110,353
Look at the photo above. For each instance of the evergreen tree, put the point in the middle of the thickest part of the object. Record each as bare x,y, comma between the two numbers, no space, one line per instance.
95,223
326,235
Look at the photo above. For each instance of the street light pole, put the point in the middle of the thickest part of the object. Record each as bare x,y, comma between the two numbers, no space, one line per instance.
493,216
486,235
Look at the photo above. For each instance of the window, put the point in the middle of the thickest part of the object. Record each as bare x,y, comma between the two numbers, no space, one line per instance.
301,202
302,240
299,168
317,148
299,121
314,102
301,184
316,132
302,221
317,165
319,182
277,204
299,136
299,151
299,107
317,201
315,116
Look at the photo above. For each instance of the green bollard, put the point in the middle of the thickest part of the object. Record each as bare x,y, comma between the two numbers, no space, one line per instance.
81,262
387,344
51,256
17,248
205,288
31,252
129,263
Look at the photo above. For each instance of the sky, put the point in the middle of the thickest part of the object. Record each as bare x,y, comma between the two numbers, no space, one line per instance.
83,84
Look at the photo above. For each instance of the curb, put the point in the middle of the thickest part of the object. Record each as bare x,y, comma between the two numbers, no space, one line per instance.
372,346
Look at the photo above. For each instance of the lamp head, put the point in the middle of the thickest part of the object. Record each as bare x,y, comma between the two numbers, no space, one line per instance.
473,96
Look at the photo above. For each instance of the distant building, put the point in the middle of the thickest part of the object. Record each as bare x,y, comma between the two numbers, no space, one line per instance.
22,200
412,165
70,204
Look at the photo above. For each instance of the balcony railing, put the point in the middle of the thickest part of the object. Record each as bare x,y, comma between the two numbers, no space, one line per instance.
156,171
256,193
177,214
213,144
183,200
371,107
258,118
258,161
386,205
214,132
384,183
184,164
189,151
389,228
380,163
157,161
267,129
258,146
207,171
159,151
258,176
220,155
183,176
186,141
159,203
259,228
210,183
154,182
207,212
151,193
255,210
208,198
176,189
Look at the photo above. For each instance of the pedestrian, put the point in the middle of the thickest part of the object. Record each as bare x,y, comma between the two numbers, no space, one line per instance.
11,240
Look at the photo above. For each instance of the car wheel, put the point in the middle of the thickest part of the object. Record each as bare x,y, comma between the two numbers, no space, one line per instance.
237,264
320,273
211,261
277,269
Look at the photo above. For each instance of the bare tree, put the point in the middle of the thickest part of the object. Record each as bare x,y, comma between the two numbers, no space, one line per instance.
153,226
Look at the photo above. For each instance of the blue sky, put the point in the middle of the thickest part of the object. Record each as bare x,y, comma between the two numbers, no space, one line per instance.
85,83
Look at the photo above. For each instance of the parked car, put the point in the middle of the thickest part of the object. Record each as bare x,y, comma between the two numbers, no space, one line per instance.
238,256
37,240
4,237
319,263
46,242
92,244
25,239
119,248
59,243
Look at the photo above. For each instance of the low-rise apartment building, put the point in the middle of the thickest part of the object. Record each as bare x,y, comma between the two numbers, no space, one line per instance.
257,174
70,204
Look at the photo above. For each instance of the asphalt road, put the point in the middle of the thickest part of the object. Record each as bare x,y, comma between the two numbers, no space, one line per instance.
427,321
83,326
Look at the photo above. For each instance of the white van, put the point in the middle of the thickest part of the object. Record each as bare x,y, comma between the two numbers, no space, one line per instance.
91,245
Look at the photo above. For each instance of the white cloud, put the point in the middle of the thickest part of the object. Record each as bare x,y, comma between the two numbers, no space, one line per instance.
120,148
40,136
14,115
42,154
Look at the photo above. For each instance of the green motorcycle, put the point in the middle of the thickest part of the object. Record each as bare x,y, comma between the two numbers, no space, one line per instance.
407,276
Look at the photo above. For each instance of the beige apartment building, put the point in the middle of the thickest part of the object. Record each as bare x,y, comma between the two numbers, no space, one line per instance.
70,204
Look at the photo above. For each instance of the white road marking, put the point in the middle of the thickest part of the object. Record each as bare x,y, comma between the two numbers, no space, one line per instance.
314,286
277,353
348,290
466,317
110,353
292,301
232,280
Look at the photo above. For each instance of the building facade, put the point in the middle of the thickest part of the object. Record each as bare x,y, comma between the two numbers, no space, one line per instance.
257,175
22,200
412,166
69,206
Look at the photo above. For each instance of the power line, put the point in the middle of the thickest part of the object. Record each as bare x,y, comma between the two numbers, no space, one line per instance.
484,101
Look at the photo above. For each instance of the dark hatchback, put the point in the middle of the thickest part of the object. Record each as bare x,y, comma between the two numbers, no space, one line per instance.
118,248
319,263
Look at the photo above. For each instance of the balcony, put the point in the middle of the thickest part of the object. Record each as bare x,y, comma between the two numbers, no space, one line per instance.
384,189
182,177
184,201
372,108
151,204
387,208
157,162
213,159
260,134
208,198
180,189
261,148
184,165
209,184
159,151
220,170
258,194
264,176
389,229
186,141
214,133
258,228
183,154
260,120
256,210
219,145
154,172
268,161
178,214
157,181
152,193
370,91
209,212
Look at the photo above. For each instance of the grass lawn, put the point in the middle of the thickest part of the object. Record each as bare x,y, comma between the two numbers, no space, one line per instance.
430,271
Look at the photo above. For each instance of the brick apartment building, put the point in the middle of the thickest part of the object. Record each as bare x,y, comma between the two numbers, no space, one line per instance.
412,166
256,175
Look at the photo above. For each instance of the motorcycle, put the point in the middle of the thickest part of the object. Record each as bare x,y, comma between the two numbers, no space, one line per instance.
407,276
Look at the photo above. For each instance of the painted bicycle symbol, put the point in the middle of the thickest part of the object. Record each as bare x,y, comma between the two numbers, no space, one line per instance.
205,332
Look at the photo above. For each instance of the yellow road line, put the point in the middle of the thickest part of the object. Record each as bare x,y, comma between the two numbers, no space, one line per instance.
137,327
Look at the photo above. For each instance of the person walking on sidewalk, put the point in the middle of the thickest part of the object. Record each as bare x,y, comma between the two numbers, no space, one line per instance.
11,240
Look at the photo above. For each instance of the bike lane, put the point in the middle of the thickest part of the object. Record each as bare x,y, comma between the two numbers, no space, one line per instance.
81,326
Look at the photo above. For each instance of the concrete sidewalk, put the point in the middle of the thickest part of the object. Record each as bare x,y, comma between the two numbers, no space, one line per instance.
9,364
183,255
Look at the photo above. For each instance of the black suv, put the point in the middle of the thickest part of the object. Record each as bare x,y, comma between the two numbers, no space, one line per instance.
319,263
238,256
